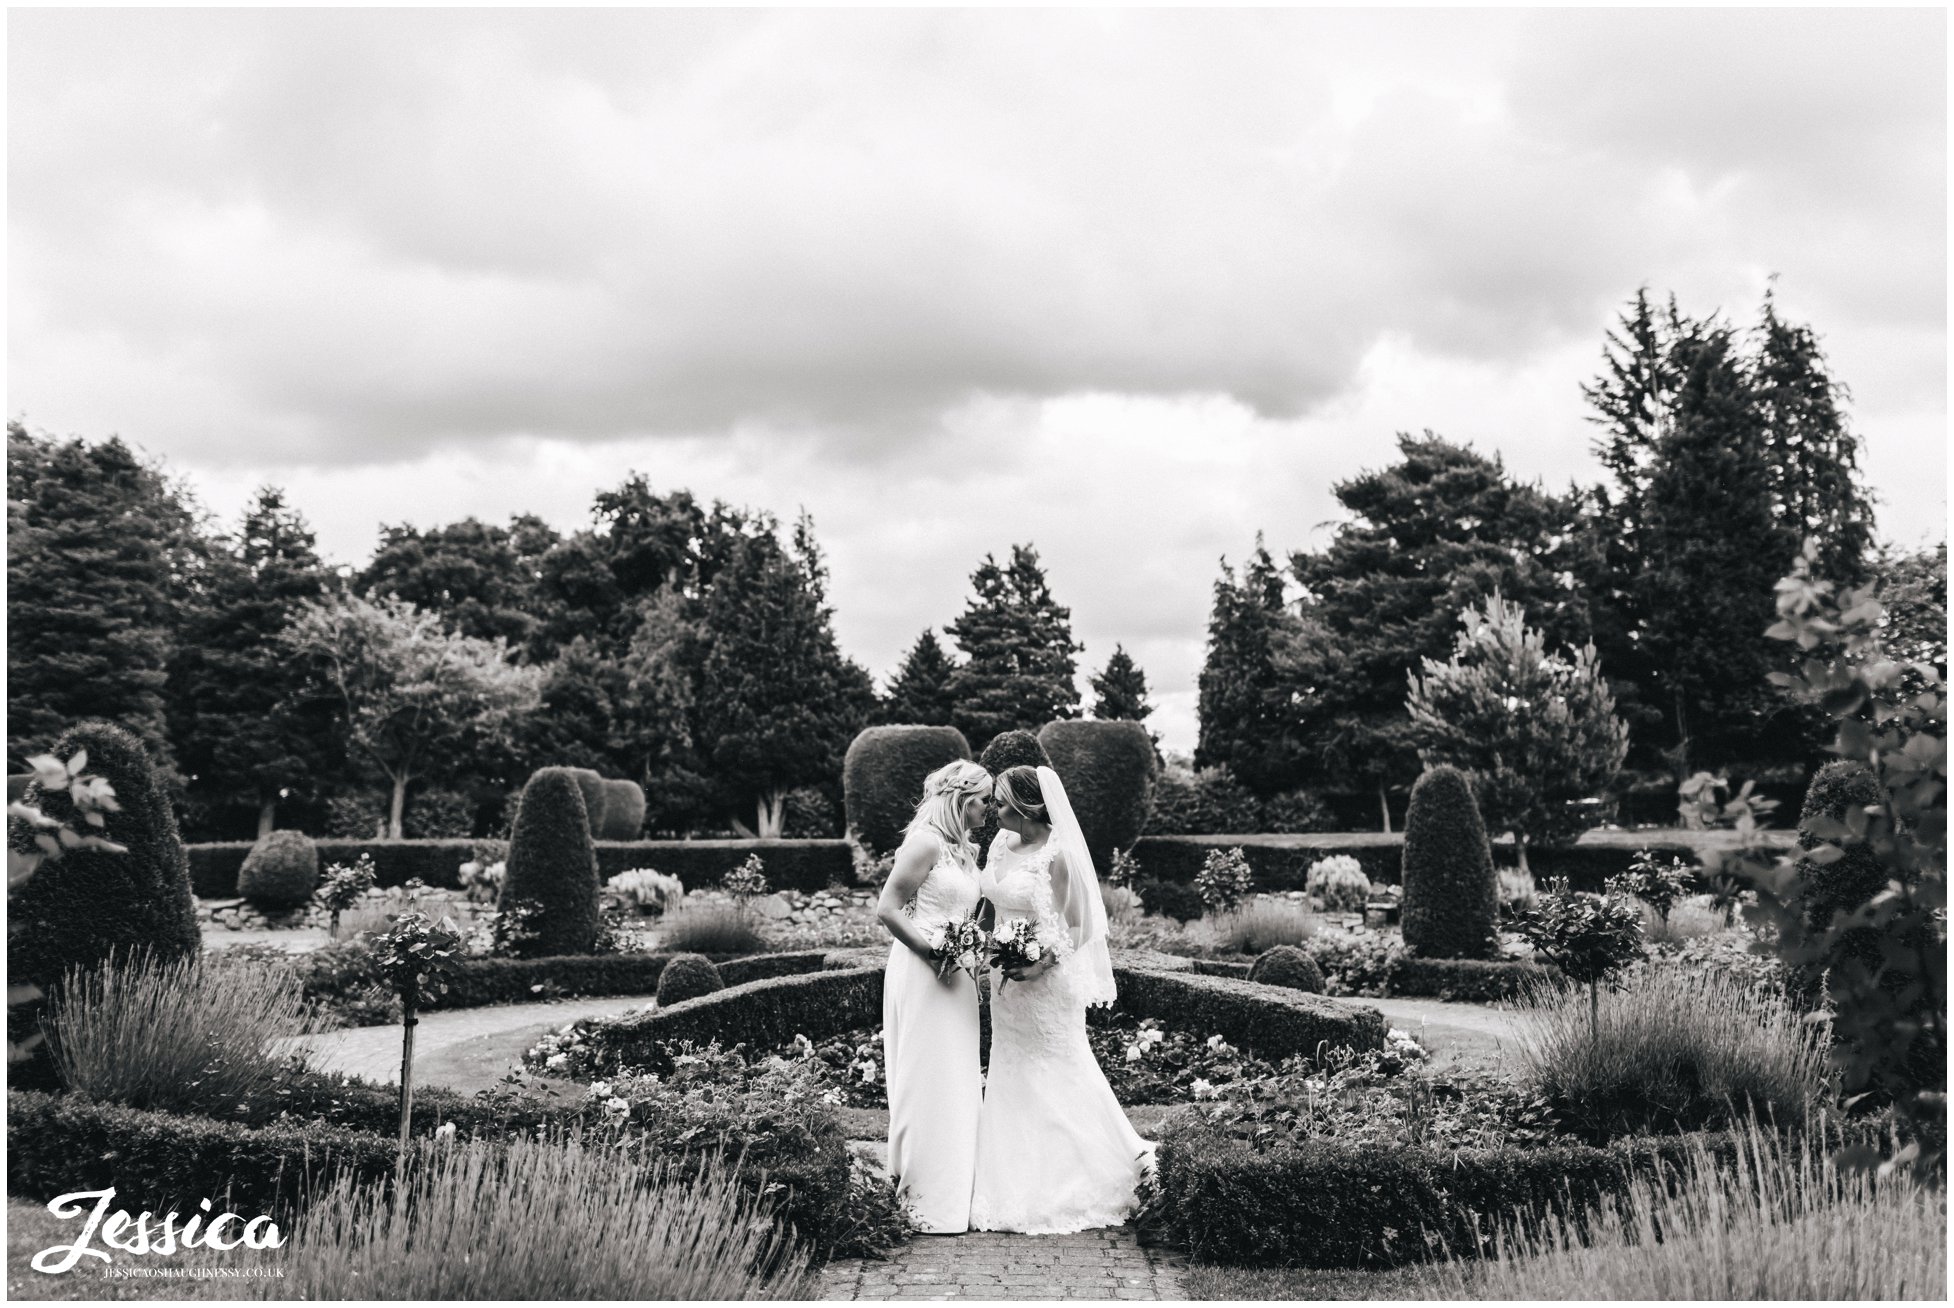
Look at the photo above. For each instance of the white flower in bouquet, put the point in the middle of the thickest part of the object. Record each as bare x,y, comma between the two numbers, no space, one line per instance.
1032,951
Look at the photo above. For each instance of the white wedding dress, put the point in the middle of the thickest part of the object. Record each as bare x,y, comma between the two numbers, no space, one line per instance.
930,1045
1055,1152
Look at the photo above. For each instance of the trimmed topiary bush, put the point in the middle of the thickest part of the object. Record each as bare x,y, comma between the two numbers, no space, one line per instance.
882,778
624,812
75,909
1286,965
687,976
553,867
1451,894
591,783
1008,749
281,871
1172,899
1108,769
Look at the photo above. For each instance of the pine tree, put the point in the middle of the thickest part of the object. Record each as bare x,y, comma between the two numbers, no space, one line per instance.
1121,690
1537,732
1249,722
102,551
1428,537
777,703
920,694
1017,644
241,730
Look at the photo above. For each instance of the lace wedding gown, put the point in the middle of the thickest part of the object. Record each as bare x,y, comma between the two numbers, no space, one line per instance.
929,1042
1055,1152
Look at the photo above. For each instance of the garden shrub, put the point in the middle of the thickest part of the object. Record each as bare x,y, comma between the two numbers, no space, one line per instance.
553,867
1261,924
791,864
358,816
1354,1203
1286,965
1270,1023
1295,812
1675,1049
1225,880
78,908
1340,881
1467,980
1108,769
1207,802
882,778
1173,899
687,976
809,814
704,927
281,871
1279,862
771,1011
1451,897
624,812
1007,749
1828,890
590,783
439,815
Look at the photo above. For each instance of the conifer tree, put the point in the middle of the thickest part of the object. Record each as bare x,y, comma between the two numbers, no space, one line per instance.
1249,722
1018,652
1121,690
920,694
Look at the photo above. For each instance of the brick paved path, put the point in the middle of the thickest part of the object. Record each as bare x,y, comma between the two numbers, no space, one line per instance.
1104,1264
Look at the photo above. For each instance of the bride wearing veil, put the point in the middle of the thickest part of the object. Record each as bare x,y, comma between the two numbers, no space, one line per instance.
1055,1152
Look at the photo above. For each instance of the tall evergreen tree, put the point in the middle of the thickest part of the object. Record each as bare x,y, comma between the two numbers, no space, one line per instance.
102,549
1248,706
1121,690
1428,537
478,576
777,703
920,694
1017,644
237,717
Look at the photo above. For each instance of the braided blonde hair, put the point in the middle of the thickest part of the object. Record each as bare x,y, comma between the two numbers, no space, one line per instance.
944,791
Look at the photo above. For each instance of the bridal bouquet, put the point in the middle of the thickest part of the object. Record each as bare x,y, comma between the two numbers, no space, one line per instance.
1018,945
962,941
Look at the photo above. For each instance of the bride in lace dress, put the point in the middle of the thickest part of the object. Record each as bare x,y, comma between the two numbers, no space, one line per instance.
929,1012
1055,1152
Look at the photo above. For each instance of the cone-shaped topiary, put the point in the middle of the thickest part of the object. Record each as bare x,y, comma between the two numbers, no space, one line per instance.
1451,893
1109,769
1008,749
882,778
281,871
624,811
552,867
687,977
1286,965
75,909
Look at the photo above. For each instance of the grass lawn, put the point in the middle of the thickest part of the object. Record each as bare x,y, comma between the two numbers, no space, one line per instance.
32,1228
1306,1283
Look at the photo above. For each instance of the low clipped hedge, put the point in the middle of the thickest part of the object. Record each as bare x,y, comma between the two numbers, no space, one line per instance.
791,864
1462,980
1283,862
60,1144
763,1013
1341,1203
1270,1021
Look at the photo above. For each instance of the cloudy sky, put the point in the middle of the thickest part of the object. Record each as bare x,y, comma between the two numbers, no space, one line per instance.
1131,286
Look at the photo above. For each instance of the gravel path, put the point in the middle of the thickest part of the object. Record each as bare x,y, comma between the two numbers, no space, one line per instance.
1108,1263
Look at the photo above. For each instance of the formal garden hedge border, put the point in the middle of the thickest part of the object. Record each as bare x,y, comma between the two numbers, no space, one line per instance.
58,1144
1283,862
1460,980
480,982
1337,1203
1271,1021
790,864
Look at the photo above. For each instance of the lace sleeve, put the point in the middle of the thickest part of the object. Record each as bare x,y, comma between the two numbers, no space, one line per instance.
1052,926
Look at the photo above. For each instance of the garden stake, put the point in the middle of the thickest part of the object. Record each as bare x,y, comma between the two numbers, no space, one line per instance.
408,994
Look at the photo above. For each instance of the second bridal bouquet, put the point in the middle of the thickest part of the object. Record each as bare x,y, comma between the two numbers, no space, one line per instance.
1019,944
962,943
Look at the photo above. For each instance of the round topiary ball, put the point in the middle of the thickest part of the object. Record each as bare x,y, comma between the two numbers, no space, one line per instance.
552,866
1286,965
687,977
1108,769
882,778
594,797
1451,893
281,871
624,811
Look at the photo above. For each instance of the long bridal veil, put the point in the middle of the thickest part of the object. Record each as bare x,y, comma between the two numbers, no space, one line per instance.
1083,902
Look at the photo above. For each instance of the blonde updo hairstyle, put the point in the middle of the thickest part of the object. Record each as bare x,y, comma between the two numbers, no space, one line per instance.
944,792
1019,789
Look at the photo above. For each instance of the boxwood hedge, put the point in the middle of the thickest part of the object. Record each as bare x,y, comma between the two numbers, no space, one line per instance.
791,864
1109,769
1339,1203
1271,1021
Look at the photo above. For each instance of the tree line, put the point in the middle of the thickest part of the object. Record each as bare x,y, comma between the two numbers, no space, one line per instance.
1723,449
